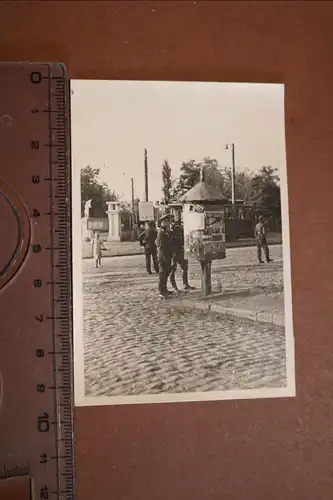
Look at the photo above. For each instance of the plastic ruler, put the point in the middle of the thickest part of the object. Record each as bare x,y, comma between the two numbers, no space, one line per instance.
36,398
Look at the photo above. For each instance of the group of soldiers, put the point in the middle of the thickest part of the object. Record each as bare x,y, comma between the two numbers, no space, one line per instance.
165,248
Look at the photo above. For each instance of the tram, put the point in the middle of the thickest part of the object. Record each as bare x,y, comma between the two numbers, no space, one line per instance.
236,227
245,218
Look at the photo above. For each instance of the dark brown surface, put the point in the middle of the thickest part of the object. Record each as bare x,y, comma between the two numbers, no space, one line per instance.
277,449
15,488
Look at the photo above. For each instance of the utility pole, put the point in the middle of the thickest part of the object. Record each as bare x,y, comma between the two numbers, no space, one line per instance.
146,175
133,208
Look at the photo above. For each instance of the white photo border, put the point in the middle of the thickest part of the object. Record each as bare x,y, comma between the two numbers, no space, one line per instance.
80,399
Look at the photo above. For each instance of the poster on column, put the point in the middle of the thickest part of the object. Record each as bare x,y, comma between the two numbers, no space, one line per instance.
194,225
214,223
146,211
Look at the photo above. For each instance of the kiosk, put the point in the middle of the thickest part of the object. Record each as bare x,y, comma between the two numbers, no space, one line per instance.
204,228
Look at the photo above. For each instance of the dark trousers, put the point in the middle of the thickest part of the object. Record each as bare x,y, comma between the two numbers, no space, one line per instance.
262,245
164,272
179,259
151,253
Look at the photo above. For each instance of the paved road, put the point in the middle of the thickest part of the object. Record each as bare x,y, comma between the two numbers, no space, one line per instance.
137,344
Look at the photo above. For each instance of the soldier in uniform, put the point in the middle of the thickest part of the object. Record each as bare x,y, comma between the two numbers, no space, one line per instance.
147,239
178,257
164,255
260,234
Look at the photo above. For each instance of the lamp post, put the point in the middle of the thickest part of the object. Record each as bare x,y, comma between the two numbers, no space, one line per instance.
233,187
133,207
146,175
233,173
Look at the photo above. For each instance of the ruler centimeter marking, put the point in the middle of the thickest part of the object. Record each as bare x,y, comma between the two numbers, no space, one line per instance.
45,191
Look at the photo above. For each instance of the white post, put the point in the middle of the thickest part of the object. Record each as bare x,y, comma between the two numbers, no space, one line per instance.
114,220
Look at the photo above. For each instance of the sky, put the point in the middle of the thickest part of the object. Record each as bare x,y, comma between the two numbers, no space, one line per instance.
114,121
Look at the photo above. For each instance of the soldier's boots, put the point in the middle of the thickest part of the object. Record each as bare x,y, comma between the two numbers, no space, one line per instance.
189,287
165,295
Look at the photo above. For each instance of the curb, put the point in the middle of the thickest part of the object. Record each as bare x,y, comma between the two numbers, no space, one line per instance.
261,316
228,245
242,244
126,254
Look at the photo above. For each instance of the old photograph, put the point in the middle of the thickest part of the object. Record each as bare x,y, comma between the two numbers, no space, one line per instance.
181,246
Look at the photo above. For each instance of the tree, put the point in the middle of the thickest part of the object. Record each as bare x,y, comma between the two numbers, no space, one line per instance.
96,191
212,173
243,180
167,182
265,191
126,206
136,209
190,175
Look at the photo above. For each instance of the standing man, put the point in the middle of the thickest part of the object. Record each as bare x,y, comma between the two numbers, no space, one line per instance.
164,255
147,239
177,239
260,234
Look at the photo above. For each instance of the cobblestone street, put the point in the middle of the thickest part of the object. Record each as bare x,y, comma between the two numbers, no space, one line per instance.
136,343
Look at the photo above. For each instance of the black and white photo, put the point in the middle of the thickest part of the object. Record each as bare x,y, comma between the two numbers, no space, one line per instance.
181,247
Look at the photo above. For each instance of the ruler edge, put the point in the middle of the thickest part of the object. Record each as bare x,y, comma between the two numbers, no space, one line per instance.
67,117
